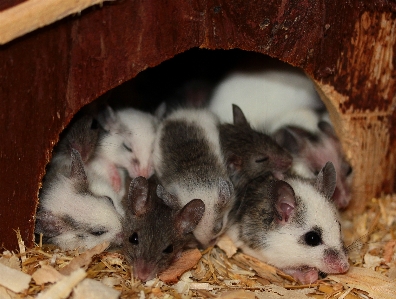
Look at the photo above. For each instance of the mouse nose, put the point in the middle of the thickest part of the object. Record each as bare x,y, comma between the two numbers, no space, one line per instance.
144,271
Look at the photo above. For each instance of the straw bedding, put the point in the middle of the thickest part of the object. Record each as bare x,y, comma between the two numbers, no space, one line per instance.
219,272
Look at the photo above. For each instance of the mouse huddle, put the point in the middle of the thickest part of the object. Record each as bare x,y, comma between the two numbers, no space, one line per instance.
154,186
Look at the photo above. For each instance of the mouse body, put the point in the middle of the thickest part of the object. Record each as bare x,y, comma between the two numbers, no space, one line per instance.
128,140
292,224
155,234
189,163
71,216
250,153
267,91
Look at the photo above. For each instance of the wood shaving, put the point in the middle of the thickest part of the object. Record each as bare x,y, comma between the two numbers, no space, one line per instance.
224,273
92,289
14,280
187,260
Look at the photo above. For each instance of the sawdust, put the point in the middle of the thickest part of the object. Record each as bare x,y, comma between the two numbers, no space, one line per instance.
47,272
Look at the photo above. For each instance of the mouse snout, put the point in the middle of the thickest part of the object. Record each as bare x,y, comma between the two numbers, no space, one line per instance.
144,271
139,169
336,262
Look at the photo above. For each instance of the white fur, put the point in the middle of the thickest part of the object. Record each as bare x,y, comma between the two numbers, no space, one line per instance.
182,189
92,212
107,180
283,250
135,129
266,97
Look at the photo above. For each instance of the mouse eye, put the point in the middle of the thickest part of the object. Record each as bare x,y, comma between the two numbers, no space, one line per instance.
349,171
134,239
127,147
262,159
98,233
313,238
217,228
168,249
109,199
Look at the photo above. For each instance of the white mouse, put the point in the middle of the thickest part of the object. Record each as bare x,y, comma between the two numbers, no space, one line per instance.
189,163
292,224
71,216
267,91
129,140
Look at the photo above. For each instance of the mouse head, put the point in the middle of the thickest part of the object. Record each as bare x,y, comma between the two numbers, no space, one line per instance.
311,151
129,140
250,153
71,216
218,199
155,233
307,234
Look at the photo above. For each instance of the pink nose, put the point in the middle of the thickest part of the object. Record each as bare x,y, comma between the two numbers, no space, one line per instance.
144,271
145,171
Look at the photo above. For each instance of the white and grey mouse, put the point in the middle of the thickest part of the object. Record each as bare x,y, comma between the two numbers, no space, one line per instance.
154,233
71,216
311,151
129,140
250,153
82,135
189,163
292,224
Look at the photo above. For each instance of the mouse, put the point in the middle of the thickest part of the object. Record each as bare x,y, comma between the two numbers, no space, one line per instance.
71,216
82,135
155,234
292,224
249,153
266,90
128,140
189,163
311,150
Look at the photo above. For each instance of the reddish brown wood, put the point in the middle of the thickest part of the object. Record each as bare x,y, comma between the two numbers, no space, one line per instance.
48,75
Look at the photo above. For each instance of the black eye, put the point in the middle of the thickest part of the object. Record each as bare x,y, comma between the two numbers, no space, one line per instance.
261,160
134,239
217,228
349,171
127,147
98,233
168,249
313,238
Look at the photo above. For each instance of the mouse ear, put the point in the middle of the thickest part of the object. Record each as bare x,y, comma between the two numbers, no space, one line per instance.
326,180
189,216
289,139
285,201
169,199
49,224
239,117
225,192
107,119
234,164
138,195
77,171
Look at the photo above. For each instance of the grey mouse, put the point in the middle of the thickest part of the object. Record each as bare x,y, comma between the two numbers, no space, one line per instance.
155,234
292,225
249,153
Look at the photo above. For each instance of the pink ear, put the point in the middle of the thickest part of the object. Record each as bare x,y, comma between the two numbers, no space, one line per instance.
285,201
234,163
